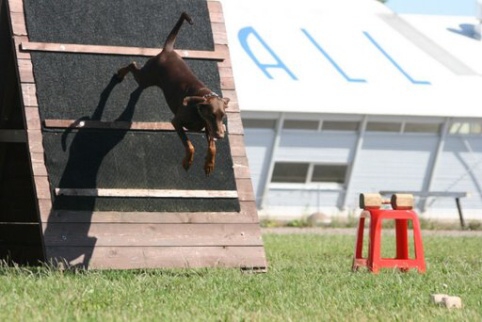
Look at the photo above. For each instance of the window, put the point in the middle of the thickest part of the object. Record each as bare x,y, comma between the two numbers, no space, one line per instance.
329,173
422,128
340,126
300,125
466,128
290,172
384,127
299,172
259,123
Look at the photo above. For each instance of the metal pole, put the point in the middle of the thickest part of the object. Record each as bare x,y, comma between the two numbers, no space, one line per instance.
461,216
269,172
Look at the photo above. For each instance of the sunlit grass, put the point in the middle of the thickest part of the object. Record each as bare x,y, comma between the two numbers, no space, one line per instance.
309,279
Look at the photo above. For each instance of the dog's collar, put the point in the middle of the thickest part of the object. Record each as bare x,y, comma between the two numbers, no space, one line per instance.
210,95
206,97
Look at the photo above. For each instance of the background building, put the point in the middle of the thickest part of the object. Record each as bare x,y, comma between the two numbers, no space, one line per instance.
344,97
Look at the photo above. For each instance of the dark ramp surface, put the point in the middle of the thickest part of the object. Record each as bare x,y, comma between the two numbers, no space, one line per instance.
69,86
136,23
136,160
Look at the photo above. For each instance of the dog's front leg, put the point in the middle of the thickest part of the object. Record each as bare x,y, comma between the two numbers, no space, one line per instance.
189,158
210,156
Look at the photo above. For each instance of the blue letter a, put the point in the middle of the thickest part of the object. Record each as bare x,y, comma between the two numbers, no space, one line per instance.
243,35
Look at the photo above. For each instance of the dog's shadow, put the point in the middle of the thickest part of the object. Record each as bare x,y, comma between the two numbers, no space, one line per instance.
65,228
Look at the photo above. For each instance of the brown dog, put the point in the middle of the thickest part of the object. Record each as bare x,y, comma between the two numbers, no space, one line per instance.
193,104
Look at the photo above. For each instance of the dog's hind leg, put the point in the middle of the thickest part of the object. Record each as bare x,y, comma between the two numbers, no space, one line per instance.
133,68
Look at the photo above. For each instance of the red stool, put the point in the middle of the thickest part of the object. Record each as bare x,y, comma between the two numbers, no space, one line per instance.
401,214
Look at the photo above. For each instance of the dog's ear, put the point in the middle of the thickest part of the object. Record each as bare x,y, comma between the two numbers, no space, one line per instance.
226,101
193,99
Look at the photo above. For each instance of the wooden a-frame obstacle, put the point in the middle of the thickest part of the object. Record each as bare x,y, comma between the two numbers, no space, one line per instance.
91,170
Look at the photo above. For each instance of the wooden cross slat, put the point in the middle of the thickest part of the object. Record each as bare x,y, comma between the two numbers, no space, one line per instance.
217,55
116,125
146,193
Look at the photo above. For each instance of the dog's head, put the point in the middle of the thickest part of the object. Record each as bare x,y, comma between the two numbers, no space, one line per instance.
211,108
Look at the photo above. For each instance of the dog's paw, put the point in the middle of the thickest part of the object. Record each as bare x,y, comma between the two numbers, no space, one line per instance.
208,168
186,163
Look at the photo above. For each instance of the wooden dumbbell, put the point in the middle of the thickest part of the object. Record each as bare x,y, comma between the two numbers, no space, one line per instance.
438,298
399,201
402,201
371,200
448,301
452,302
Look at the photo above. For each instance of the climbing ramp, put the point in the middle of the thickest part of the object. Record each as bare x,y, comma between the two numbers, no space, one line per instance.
94,163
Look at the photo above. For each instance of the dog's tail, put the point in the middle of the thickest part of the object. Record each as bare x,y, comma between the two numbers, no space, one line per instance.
171,39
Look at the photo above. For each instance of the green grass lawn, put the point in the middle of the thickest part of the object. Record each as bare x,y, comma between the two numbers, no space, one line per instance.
309,279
